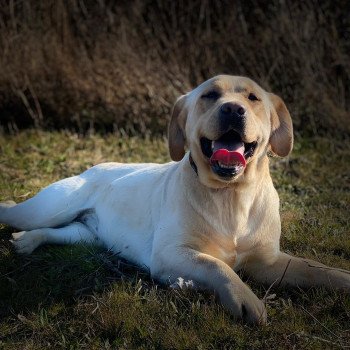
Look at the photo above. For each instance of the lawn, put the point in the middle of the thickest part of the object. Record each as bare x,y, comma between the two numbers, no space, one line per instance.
83,297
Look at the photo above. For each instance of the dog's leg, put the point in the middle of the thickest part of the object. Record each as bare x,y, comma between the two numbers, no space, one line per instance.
210,273
55,205
286,269
26,241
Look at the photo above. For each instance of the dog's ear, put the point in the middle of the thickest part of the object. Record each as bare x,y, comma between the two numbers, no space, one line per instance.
176,132
281,138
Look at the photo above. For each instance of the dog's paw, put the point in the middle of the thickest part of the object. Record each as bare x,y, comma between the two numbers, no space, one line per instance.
340,279
246,306
254,311
26,241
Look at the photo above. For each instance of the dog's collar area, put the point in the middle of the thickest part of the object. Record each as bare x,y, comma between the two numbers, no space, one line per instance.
193,164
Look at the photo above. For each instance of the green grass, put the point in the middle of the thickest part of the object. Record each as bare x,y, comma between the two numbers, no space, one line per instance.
76,297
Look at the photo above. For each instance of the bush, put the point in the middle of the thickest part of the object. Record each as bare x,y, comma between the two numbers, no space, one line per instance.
120,65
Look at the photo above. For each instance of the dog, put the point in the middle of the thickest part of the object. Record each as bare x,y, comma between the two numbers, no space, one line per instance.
211,212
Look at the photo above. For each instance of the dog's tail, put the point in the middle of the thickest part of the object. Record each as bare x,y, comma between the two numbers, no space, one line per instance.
54,206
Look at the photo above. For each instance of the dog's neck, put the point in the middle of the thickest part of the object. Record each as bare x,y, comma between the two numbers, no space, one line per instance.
229,207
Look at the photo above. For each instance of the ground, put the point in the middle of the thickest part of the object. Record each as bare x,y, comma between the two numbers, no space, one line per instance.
83,297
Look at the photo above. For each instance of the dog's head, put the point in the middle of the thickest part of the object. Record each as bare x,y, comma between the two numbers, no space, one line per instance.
229,123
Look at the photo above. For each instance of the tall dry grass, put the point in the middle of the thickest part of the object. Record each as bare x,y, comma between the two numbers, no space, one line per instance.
120,65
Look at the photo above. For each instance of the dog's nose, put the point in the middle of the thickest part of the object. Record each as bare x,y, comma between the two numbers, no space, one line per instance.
229,109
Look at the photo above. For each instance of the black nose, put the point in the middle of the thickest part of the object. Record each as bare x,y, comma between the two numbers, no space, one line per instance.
229,109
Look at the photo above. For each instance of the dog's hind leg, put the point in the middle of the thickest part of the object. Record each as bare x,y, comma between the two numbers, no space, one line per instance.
26,241
56,205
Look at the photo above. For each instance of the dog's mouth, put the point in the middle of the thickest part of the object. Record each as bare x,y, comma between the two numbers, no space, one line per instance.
228,155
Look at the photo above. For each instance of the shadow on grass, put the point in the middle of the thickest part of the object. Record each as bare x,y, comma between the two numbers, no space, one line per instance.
107,300
54,274
58,274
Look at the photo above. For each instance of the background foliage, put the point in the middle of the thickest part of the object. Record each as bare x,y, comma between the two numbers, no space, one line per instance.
121,64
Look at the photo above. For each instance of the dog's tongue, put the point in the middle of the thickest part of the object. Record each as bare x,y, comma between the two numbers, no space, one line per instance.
229,153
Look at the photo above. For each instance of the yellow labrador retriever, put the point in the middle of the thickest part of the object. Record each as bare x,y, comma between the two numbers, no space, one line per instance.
203,217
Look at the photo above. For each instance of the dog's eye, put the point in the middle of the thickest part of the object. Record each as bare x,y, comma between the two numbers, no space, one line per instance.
252,97
211,95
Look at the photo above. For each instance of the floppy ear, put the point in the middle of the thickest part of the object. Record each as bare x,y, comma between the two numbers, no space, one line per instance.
281,139
176,132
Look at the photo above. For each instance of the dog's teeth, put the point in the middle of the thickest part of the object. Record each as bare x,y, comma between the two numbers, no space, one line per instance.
212,145
225,166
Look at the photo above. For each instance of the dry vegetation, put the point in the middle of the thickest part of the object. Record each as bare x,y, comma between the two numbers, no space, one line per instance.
120,65
106,65
83,297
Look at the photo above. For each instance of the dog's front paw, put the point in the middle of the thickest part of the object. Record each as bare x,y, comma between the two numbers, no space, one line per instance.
26,241
340,280
246,306
253,310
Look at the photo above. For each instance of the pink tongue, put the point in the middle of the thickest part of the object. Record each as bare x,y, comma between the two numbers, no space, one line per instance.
233,157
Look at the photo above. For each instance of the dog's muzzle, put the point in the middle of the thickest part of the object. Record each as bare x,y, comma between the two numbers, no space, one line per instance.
227,155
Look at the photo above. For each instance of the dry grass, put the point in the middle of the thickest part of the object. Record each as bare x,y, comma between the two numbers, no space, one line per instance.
120,65
82,297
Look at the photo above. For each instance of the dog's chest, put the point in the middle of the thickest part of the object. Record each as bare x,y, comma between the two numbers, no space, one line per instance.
224,229
222,242
227,224
221,247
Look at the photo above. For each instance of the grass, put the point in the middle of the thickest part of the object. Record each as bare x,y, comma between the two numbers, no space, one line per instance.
83,297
